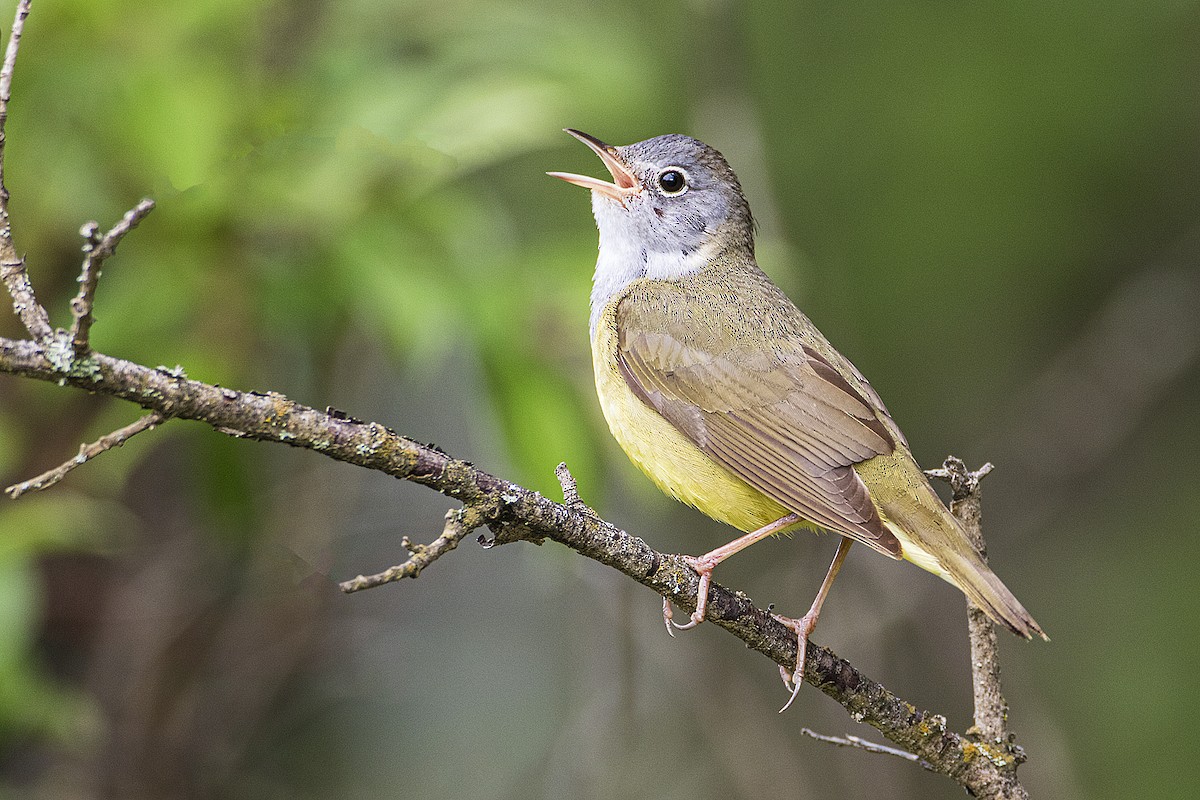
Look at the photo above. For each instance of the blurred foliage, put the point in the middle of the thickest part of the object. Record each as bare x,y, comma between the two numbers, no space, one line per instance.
351,211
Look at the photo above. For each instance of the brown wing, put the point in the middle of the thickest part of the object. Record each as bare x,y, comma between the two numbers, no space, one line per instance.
781,417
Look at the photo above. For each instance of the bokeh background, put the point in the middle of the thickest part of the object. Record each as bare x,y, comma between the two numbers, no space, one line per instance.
991,208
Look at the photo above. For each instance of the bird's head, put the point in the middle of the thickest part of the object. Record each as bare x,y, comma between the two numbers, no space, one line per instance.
669,196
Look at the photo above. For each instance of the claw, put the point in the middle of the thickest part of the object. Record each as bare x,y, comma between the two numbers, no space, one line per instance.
788,704
705,564
802,628
787,679
704,570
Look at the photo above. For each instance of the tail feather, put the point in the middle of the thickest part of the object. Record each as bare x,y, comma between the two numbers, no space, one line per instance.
970,574
933,539
961,566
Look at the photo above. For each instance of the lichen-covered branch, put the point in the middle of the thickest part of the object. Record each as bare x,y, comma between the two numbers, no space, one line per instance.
12,266
991,710
96,249
518,514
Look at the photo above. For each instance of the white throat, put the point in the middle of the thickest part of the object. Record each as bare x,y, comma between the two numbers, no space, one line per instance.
627,255
619,265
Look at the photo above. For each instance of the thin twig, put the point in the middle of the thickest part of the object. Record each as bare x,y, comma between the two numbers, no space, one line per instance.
963,484
991,709
12,273
570,490
12,266
10,59
870,747
95,250
459,523
566,480
86,453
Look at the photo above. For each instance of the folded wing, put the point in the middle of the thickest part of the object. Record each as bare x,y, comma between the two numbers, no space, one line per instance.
779,416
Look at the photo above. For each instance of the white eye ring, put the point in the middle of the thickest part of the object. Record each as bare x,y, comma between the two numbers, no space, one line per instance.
672,181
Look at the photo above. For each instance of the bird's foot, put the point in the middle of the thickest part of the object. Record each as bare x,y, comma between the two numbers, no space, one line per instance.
802,628
703,566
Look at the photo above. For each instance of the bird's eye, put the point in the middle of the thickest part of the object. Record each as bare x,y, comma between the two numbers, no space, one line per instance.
672,180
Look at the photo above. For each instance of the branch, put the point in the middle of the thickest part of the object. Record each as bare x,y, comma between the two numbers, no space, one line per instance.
991,709
515,513
12,266
459,523
95,250
86,453
863,744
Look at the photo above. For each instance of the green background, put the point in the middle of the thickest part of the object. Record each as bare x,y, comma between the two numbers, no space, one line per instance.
990,208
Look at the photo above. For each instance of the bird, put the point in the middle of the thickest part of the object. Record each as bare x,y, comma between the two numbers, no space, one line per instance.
729,399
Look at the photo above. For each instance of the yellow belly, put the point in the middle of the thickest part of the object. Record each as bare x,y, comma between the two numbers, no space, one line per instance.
668,457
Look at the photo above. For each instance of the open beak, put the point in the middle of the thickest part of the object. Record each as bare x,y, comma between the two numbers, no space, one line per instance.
624,183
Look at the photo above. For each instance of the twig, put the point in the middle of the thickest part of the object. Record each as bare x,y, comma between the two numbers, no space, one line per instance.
870,747
963,484
12,273
570,491
10,59
6,77
12,266
95,250
566,480
459,523
86,453
991,709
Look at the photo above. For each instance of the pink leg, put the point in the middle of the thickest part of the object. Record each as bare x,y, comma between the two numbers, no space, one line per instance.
705,564
804,626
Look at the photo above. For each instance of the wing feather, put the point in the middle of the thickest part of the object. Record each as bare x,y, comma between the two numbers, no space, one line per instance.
780,417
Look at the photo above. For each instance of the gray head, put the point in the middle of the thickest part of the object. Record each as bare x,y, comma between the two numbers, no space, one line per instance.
673,206
670,195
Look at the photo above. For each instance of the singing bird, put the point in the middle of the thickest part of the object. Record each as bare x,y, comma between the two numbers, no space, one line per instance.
730,399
